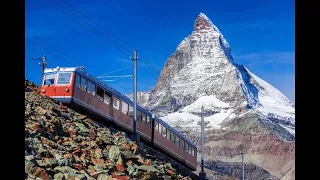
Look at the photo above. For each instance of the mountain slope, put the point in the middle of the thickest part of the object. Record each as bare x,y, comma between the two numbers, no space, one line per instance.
202,72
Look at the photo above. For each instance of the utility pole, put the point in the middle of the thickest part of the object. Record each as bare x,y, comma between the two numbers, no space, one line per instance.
242,155
152,129
134,135
43,62
202,174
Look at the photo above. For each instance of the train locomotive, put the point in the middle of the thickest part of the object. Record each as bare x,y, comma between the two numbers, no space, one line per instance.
74,86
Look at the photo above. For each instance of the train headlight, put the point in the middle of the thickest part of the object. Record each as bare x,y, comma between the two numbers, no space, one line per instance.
43,90
67,90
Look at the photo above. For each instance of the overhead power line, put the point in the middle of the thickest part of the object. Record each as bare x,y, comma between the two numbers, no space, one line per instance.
87,27
144,61
99,26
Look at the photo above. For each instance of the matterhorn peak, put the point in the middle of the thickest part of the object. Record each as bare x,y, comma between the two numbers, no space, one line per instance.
202,71
202,22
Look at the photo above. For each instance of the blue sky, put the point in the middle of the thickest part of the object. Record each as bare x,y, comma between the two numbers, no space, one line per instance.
260,33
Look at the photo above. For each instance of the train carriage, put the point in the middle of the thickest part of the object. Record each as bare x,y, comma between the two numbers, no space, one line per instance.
72,85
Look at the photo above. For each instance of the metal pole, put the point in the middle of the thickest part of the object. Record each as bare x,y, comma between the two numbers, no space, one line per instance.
202,174
202,139
134,134
44,63
242,165
152,129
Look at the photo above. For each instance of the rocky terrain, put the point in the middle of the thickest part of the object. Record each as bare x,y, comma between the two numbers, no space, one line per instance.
63,144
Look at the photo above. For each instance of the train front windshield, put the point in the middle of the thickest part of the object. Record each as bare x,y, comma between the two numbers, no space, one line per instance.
49,79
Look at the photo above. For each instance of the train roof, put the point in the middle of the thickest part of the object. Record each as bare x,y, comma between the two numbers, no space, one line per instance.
54,70
96,81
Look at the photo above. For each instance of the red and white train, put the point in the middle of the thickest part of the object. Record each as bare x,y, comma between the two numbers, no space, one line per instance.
72,85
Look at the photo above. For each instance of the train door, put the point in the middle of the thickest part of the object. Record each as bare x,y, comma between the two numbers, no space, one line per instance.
64,86
48,85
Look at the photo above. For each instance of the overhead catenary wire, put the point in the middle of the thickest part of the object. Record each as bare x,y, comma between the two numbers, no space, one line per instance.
99,25
52,46
116,70
144,61
110,34
47,58
123,76
87,28
49,51
34,69
63,52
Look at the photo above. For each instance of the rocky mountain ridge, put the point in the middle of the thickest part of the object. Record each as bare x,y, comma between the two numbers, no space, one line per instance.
202,72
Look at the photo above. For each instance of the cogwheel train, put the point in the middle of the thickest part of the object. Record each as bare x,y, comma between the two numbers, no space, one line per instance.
73,86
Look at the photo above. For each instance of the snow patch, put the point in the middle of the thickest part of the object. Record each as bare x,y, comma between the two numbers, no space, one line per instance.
185,119
290,129
208,102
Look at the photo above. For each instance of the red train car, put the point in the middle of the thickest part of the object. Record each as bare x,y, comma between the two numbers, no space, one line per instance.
72,85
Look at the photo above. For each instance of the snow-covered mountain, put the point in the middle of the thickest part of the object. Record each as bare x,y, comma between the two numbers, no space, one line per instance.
202,72
240,109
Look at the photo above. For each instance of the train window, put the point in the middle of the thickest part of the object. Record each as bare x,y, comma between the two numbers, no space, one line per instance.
148,120
192,151
78,80
48,79
189,150
116,103
91,88
144,119
100,93
107,98
160,128
163,130
156,126
173,137
139,116
124,108
177,142
186,146
182,144
64,78
168,134
130,111
83,84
